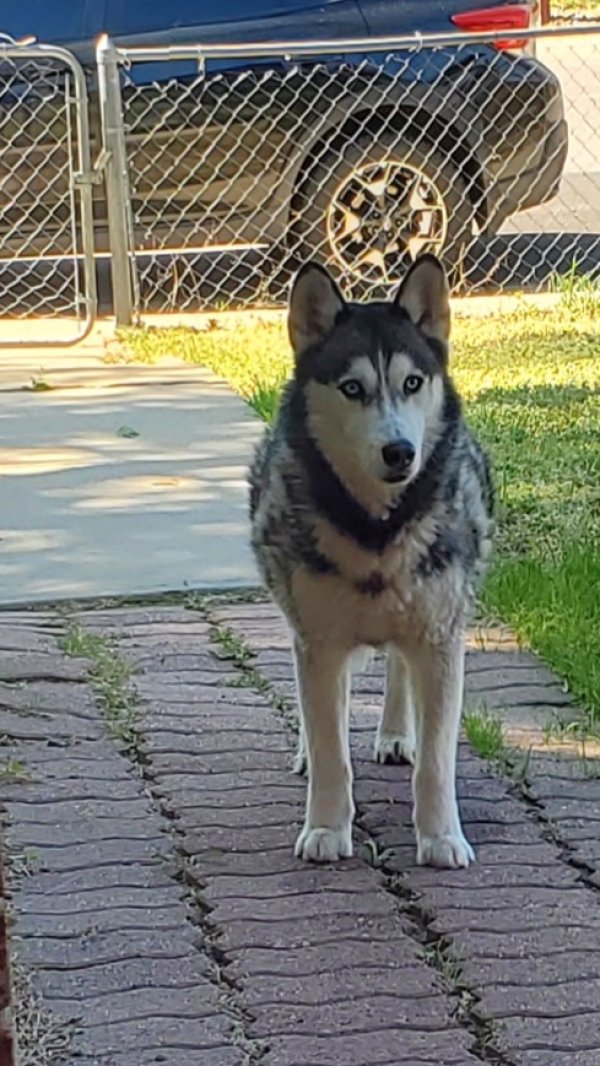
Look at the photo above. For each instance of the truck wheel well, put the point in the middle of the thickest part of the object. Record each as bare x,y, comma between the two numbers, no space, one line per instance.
416,125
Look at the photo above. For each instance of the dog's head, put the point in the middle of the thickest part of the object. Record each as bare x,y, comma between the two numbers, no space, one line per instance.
373,377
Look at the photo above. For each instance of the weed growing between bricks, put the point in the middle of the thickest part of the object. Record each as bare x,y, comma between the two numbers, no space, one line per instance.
41,1039
239,653
485,733
437,949
110,676
438,953
12,770
230,990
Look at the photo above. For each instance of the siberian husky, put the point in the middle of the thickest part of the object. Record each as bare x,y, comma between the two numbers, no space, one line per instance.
371,509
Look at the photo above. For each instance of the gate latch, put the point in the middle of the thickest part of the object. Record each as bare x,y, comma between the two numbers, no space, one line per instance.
96,174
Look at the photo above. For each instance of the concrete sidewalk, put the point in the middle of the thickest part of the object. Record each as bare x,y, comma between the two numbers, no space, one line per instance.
119,479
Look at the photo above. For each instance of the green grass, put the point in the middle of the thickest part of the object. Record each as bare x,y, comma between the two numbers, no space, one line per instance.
254,358
484,733
531,382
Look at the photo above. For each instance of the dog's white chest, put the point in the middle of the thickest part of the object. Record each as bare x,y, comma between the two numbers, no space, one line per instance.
332,609
374,599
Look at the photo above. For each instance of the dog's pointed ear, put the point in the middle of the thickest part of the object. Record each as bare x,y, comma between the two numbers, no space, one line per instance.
315,303
425,296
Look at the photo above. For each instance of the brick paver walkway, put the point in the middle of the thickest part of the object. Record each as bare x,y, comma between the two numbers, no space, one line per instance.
159,914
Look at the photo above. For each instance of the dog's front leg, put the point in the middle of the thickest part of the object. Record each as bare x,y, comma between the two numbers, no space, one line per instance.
439,674
323,692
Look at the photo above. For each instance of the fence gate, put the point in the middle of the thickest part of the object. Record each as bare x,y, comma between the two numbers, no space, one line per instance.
46,222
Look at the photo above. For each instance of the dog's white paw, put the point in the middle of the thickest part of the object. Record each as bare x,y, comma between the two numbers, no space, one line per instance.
324,845
448,851
394,747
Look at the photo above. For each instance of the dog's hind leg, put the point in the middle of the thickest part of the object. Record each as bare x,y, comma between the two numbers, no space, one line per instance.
323,691
438,674
359,660
396,738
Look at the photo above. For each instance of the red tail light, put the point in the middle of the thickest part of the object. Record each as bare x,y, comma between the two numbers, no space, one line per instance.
489,19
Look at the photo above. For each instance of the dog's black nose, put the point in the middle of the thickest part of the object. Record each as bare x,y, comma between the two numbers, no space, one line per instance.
398,454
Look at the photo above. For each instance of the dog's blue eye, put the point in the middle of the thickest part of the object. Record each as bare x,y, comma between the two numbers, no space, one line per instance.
352,390
412,384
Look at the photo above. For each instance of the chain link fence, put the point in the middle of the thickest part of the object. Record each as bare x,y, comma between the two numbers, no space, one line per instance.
221,169
46,237
362,159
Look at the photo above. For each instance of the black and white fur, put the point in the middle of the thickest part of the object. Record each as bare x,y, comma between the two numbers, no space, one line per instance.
371,511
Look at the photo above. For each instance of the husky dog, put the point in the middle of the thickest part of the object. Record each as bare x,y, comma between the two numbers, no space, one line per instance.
371,507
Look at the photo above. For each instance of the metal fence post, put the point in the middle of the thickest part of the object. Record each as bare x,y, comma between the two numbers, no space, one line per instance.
117,180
